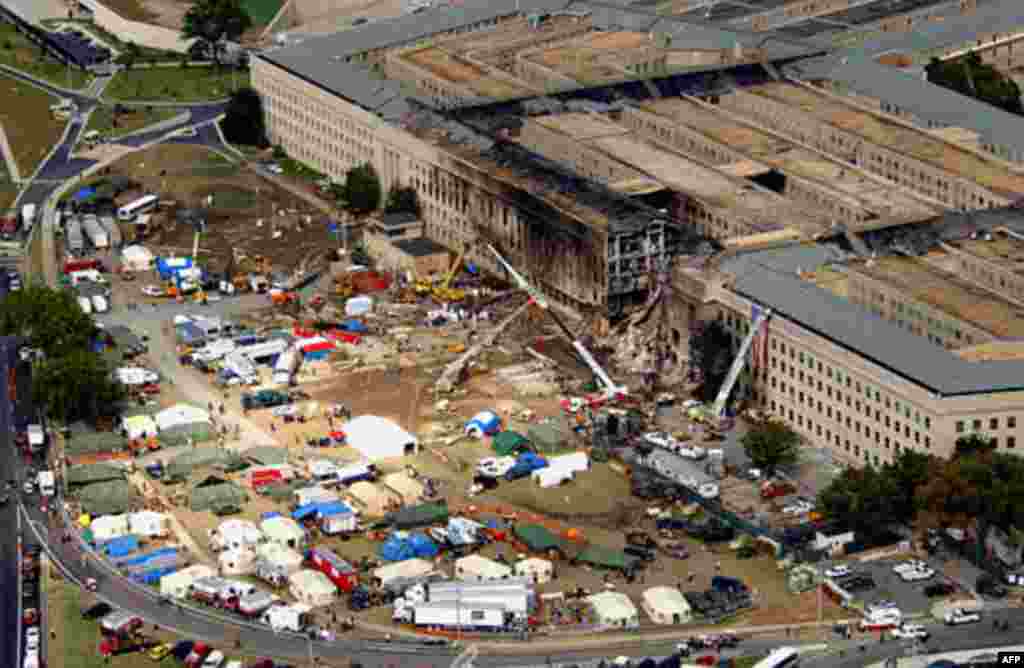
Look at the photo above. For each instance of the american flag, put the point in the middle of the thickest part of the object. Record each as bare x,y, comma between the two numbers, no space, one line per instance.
759,348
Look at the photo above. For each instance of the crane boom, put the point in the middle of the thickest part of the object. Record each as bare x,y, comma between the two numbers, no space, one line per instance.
540,300
718,408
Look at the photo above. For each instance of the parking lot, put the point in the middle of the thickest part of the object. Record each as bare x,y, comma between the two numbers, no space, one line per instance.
908,596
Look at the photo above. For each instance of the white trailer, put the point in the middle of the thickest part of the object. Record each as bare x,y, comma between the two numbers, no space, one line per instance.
552,477
450,614
46,483
73,233
574,462
287,617
28,216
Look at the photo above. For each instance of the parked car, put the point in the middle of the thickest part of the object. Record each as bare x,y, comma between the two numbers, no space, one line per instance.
839,571
198,654
214,660
661,439
264,399
159,652
958,616
911,632
914,565
858,583
797,508
917,575
937,589
495,467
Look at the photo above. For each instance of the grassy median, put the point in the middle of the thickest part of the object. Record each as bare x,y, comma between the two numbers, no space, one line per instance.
176,84
17,52
31,129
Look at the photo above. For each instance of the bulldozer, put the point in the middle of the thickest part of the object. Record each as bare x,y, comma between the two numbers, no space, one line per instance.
343,285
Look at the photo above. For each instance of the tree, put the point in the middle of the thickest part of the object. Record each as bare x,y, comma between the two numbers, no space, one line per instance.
711,353
402,200
973,444
362,188
969,76
50,320
243,119
770,445
861,499
211,21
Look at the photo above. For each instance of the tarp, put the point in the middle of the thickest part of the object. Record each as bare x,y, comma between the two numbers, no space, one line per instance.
419,516
144,558
84,194
148,523
107,498
508,443
538,538
396,548
422,546
606,557
121,546
86,474
220,495
354,326
302,512
378,438
484,422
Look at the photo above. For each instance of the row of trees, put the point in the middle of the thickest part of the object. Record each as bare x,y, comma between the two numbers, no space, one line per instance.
68,378
976,482
971,77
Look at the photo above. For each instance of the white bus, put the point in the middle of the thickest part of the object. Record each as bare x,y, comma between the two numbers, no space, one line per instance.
141,205
782,657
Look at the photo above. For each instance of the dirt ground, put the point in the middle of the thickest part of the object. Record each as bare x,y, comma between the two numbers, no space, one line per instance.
248,214
313,19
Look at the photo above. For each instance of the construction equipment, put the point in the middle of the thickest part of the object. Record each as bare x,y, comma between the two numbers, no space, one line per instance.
343,285
283,298
452,373
536,297
718,408
444,292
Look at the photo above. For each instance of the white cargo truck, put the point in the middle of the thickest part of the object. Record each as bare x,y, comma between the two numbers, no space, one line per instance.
46,483
28,216
287,617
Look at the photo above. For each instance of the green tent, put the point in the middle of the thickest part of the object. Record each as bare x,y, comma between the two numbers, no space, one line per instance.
94,442
422,515
182,465
538,538
605,557
548,436
86,474
214,493
508,443
111,497
267,455
282,491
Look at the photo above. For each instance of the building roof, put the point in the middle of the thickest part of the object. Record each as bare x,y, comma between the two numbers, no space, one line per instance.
421,247
769,279
398,219
912,93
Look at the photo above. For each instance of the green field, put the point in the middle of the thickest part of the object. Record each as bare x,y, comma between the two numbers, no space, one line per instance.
31,128
17,52
176,84
261,11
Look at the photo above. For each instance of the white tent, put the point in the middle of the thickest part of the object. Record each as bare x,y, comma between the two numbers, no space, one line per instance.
410,568
109,526
133,375
358,305
180,415
407,489
138,425
314,494
370,499
665,605
284,558
235,533
148,523
136,258
614,609
237,562
177,584
378,438
284,531
538,570
312,588
475,568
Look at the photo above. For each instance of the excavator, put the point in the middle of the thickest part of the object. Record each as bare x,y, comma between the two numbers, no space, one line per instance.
443,292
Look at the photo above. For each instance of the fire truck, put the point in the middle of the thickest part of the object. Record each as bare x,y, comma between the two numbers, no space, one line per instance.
339,571
121,631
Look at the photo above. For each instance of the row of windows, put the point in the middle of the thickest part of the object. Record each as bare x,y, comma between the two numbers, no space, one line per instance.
993,424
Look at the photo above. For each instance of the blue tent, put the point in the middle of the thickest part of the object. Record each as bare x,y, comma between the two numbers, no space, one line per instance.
422,546
354,326
396,548
268,515
302,512
84,194
153,576
121,546
139,559
333,508
484,422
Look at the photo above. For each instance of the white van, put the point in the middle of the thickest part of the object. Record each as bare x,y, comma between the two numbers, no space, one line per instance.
85,305
99,304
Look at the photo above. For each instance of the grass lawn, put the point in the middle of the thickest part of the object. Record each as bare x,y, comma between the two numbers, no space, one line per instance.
175,84
31,129
102,119
77,641
261,11
16,51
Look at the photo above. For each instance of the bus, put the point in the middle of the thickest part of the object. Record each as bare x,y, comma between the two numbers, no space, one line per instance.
141,205
782,657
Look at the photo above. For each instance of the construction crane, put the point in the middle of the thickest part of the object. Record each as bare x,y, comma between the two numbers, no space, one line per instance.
536,297
718,408
444,292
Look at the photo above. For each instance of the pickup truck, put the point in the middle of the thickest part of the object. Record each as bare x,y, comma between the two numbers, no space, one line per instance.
524,466
264,399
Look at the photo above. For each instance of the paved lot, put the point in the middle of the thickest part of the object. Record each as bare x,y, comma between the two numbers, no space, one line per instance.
908,596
